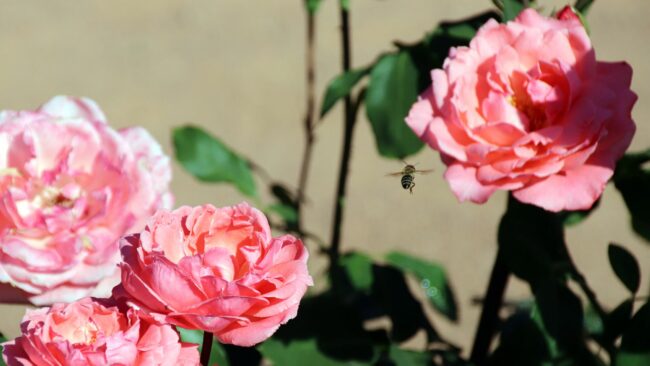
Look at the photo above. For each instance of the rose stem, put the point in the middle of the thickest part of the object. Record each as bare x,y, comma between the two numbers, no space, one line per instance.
349,119
309,113
207,348
490,314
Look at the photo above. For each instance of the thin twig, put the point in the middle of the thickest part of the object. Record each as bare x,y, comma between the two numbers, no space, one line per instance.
309,113
349,122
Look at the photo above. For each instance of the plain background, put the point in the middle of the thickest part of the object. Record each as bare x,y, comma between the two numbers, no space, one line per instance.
236,68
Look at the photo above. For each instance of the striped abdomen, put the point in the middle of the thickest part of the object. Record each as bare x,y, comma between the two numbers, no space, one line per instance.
407,181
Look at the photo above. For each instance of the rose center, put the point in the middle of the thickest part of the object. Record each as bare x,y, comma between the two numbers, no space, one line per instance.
82,334
534,113
46,200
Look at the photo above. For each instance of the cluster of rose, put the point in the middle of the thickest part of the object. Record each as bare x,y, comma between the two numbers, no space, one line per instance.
87,228
73,190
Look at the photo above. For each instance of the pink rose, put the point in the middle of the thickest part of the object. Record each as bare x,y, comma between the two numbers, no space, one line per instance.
70,188
91,332
215,269
527,108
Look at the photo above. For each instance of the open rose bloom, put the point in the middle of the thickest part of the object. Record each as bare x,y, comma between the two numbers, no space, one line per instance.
70,187
90,332
527,108
214,269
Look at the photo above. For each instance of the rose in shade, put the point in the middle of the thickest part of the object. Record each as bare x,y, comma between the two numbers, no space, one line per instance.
527,108
70,187
214,269
93,332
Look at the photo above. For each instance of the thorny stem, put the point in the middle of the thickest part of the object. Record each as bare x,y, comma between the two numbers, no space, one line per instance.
349,122
309,113
207,348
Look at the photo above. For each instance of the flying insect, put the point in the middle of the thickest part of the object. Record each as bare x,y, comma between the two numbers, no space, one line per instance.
408,175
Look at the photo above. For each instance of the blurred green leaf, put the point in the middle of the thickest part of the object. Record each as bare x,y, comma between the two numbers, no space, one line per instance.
635,344
284,195
300,353
594,324
511,8
312,5
632,179
561,312
286,212
217,354
359,269
397,79
433,281
521,342
345,4
392,90
210,160
341,87
572,218
403,357
583,5
625,266
632,359
337,324
392,294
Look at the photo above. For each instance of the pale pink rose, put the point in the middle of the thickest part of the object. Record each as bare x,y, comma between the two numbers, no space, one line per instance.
70,187
214,269
94,332
527,108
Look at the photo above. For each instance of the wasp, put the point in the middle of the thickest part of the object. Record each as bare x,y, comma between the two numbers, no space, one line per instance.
408,175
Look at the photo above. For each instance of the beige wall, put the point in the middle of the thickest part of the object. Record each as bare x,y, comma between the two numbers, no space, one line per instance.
236,68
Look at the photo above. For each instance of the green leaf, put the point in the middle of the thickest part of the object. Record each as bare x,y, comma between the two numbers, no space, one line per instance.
403,357
522,341
359,270
392,90
632,359
300,353
391,292
345,4
625,266
337,325
210,160
341,87
572,218
593,322
635,344
561,312
217,354
583,5
632,179
312,5
286,212
511,8
433,281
